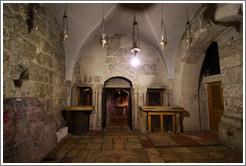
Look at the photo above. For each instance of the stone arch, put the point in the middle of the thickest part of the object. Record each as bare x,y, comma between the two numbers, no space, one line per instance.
112,84
205,30
126,80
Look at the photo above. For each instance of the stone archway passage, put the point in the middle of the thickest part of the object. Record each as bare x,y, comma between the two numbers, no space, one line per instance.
117,103
118,107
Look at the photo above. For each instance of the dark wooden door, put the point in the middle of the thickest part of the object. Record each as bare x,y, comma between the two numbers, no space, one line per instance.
216,104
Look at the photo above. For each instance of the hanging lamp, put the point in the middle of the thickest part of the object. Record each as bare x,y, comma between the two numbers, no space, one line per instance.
64,33
135,37
163,31
187,28
102,34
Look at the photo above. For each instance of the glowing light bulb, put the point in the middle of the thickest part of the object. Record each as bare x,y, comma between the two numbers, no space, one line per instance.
135,62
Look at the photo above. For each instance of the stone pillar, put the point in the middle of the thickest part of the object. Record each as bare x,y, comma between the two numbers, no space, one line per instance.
69,93
99,108
142,116
92,120
135,108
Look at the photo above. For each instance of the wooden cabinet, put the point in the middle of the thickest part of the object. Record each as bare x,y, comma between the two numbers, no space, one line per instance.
163,120
161,123
77,119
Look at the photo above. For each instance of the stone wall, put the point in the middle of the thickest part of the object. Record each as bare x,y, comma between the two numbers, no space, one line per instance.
28,132
231,63
33,56
228,34
95,65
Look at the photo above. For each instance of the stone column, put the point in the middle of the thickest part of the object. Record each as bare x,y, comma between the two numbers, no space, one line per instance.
73,96
92,125
142,116
99,108
135,108
69,93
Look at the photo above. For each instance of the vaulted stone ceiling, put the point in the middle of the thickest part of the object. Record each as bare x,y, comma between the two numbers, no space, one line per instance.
84,26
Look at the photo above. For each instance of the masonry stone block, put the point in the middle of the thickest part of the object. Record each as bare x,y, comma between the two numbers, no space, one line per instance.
41,51
233,75
27,129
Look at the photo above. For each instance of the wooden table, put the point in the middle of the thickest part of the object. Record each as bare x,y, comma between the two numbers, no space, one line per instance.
77,119
163,115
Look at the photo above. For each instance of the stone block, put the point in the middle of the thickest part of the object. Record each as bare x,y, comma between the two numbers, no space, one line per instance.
120,140
81,146
94,146
228,12
78,160
133,146
232,90
155,158
108,140
119,145
226,62
62,132
107,146
165,150
182,150
97,78
171,157
38,90
97,140
83,153
216,155
34,51
68,146
233,75
37,138
73,153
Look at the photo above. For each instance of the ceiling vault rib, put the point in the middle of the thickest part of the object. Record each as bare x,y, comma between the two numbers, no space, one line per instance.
92,30
156,37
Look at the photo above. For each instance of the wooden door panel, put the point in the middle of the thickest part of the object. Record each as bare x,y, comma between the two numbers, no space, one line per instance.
215,102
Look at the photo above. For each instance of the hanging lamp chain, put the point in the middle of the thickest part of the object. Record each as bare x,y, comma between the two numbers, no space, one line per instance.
187,15
103,11
133,29
65,10
102,21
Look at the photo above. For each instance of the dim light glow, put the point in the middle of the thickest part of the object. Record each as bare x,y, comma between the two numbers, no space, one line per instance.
135,62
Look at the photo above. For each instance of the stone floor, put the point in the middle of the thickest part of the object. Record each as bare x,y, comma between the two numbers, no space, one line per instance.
134,147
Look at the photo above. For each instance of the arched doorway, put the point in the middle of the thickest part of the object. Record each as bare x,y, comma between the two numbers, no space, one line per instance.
117,103
210,88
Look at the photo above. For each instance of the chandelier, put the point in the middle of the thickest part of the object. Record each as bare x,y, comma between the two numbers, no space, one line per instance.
102,35
135,37
64,32
187,28
163,31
